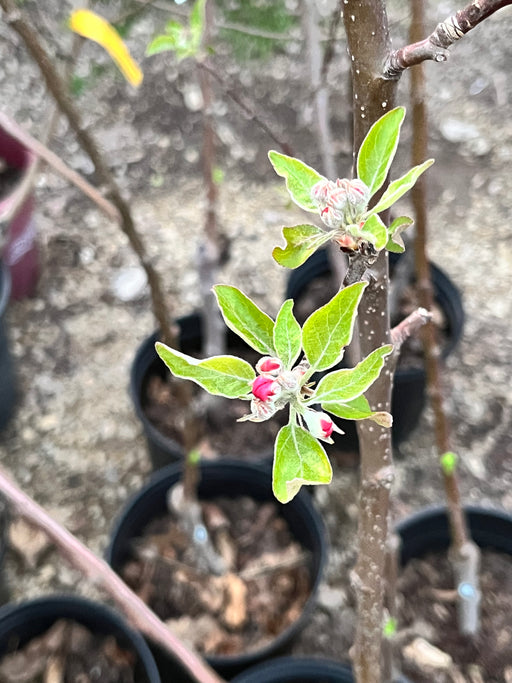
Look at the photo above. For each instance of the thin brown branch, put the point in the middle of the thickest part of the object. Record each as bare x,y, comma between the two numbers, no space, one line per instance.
137,612
409,326
435,46
248,110
14,16
464,554
56,163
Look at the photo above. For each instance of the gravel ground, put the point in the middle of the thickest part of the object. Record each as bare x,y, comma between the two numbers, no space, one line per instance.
74,444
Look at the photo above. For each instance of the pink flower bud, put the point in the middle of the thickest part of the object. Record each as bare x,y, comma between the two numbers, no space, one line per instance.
321,425
269,366
265,388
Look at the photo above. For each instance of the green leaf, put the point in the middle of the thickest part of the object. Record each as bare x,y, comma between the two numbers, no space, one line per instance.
378,149
399,187
298,459
287,335
395,241
329,329
299,177
220,375
449,463
246,319
375,231
163,43
301,242
358,409
347,384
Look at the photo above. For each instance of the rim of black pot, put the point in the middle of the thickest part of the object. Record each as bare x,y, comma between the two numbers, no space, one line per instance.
428,529
5,287
297,670
301,514
32,617
446,294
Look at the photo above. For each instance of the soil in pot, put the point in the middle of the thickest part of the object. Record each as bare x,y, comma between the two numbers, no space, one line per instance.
263,591
69,652
427,605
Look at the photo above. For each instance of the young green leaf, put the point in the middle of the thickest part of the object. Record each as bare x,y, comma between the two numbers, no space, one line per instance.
395,242
400,186
375,231
287,335
301,242
329,329
197,23
449,463
299,177
378,149
358,409
298,459
242,316
220,375
344,385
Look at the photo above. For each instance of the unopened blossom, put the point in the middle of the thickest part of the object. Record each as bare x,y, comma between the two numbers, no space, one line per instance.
260,411
341,203
265,388
320,425
269,366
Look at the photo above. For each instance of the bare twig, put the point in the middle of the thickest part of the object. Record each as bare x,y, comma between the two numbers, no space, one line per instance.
138,613
435,46
409,326
464,554
56,163
247,108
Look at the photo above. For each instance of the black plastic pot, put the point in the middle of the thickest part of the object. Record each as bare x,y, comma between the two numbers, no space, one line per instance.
300,670
428,530
225,479
21,622
162,449
297,670
8,392
409,395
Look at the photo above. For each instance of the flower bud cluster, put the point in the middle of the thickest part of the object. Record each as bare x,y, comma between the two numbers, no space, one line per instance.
341,203
274,387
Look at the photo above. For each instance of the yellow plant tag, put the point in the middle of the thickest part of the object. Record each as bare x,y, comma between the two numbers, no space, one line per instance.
92,26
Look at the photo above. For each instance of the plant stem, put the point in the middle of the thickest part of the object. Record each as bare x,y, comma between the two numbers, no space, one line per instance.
56,163
136,611
13,15
464,553
436,45
372,96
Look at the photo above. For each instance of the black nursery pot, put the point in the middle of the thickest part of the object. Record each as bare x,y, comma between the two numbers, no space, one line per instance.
225,479
19,623
300,670
297,670
163,450
409,396
428,530
7,372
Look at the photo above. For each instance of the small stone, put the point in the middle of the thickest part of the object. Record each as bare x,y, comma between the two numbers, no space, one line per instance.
331,599
424,655
27,542
129,283
455,130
